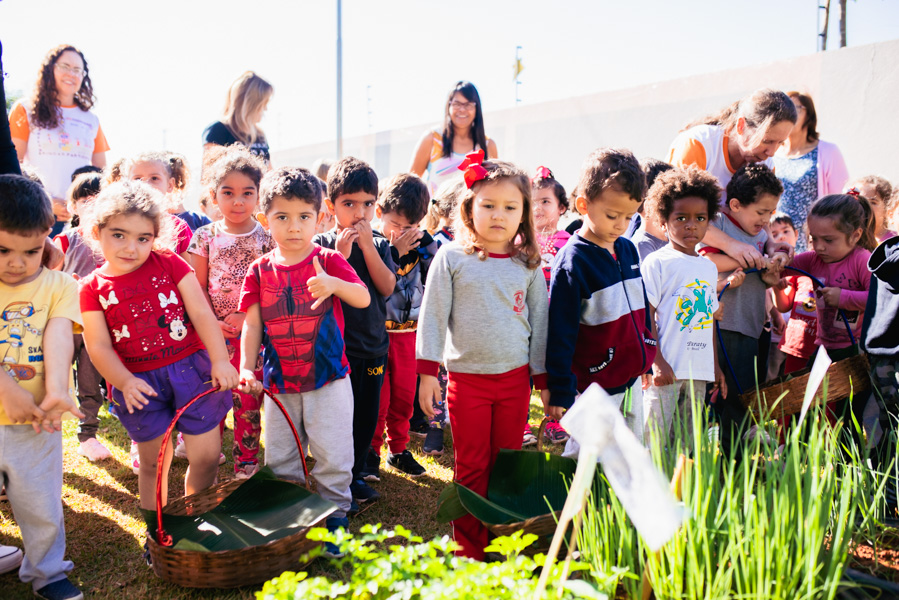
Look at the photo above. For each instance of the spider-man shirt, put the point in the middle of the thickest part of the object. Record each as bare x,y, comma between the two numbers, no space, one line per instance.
144,312
303,349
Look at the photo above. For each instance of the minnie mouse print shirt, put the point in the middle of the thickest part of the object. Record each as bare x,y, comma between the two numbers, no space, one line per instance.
147,321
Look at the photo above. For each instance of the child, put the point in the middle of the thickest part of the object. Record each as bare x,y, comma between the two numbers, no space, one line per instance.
164,172
649,235
40,314
352,192
598,312
440,212
327,219
181,176
293,295
753,193
549,202
794,298
680,287
878,192
151,334
80,261
401,207
484,314
221,253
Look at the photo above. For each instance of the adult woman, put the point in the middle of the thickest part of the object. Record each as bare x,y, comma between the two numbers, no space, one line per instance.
56,133
749,130
440,153
808,167
245,104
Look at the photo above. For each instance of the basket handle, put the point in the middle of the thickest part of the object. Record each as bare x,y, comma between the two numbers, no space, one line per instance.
543,423
164,539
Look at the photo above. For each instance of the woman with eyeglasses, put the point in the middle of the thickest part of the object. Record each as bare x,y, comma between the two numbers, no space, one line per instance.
54,131
439,154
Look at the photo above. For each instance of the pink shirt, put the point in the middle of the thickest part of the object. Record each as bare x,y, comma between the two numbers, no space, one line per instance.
853,277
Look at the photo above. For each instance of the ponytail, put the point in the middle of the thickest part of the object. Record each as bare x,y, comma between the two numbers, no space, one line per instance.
849,213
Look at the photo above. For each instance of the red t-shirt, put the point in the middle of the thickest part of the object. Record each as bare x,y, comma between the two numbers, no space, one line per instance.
144,312
802,328
183,235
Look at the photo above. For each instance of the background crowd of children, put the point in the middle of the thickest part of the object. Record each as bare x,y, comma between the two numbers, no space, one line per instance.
324,290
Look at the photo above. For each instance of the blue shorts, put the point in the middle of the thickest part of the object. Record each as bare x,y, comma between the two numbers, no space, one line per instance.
175,385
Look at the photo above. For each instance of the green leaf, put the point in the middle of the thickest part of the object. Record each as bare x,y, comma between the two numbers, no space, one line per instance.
531,483
449,507
484,510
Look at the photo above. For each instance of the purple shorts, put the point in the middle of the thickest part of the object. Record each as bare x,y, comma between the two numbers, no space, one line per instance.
176,385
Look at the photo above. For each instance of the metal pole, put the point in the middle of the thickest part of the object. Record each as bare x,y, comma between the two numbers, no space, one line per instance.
339,84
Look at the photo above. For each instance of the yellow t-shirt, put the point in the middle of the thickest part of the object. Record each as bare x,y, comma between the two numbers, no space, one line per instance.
24,312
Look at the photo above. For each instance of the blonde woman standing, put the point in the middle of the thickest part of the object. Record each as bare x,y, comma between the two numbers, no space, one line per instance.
245,105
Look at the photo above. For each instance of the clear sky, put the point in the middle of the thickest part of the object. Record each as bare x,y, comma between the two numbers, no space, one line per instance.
160,69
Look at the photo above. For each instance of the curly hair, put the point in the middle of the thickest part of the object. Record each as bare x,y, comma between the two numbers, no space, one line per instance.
294,183
751,181
881,186
44,101
125,198
443,204
524,242
675,184
229,160
175,166
24,206
611,167
406,194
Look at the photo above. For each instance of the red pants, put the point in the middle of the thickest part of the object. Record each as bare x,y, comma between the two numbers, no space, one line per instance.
397,393
247,418
487,413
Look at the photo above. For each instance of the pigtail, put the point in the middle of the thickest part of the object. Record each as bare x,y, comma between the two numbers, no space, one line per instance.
179,170
849,212
868,241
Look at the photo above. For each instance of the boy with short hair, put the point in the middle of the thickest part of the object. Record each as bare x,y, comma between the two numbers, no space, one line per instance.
40,312
295,295
681,289
649,235
352,193
598,312
402,205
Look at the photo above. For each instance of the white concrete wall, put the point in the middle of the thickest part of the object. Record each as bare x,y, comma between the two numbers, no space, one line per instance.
856,93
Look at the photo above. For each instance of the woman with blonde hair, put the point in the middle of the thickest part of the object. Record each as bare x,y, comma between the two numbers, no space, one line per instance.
245,104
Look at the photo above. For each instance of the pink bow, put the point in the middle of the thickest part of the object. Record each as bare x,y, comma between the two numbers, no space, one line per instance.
543,173
474,172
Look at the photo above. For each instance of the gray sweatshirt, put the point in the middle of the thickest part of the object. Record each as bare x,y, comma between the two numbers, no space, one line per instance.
485,317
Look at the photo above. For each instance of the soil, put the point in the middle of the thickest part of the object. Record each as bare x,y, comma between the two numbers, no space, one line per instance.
882,562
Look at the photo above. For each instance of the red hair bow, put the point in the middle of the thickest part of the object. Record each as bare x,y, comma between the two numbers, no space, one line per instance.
543,173
854,192
474,172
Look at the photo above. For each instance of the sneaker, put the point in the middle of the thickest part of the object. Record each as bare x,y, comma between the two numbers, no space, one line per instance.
146,553
60,590
372,469
405,462
419,429
362,492
134,457
333,524
529,438
180,450
245,470
554,433
433,445
10,558
93,450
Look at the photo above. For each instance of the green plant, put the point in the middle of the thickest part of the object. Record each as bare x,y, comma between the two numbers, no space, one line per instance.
373,570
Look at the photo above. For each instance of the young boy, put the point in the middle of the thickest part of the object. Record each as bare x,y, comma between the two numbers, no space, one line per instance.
294,294
401,206
782,230
597,312
352,192
40,312
680,287
649,235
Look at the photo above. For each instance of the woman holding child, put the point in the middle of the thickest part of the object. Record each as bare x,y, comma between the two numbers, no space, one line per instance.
440,154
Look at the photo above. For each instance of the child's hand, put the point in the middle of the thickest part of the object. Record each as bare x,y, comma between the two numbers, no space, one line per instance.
428,394
718,315
52,256
321,285
735,279
720,382
662,373
544,398
248,383
235,321
54,405
778,325
224,375
345,239
781,259
553,412
228,330
830,295
19,406
406,241
135,392
366,238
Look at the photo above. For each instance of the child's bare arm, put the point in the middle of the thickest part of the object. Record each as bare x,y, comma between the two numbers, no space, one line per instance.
744,255
207,326
322,286
723,262
784,296
662,373
250,340
59,347
18,403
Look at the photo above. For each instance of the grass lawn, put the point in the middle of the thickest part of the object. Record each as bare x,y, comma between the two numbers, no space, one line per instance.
105,532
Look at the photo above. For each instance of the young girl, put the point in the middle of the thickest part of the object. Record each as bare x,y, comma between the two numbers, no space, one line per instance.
486,301
438,221
221,253
181,179
79,261
163,171
146,326
549,203
878,192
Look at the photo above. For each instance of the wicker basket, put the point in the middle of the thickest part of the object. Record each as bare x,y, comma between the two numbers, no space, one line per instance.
847,377
229,568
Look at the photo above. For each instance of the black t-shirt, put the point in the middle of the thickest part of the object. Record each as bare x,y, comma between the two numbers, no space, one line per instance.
219,134
365,329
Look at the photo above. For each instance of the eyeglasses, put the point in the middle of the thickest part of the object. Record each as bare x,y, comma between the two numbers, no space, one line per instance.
455,105
76,71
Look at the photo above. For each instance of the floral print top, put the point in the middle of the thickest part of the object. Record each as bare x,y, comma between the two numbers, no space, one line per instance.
800,180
